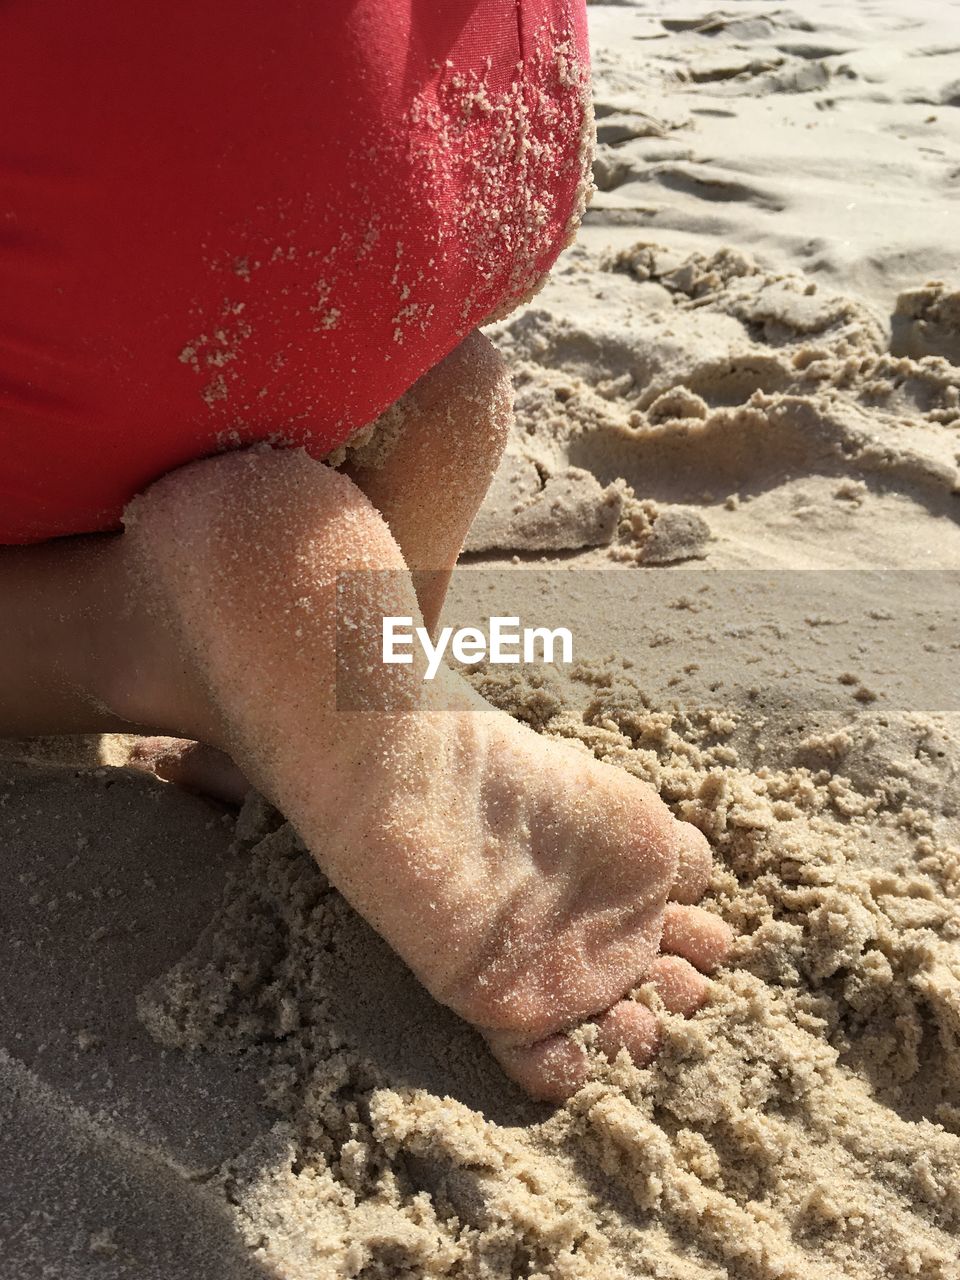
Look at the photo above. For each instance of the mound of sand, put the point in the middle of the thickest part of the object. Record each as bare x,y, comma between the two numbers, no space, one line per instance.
803,1125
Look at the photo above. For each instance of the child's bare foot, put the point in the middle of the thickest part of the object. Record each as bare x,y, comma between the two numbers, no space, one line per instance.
527,886
587,914
524,883
586,893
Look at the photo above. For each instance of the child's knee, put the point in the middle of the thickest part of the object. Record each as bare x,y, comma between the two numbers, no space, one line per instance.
466,401
483,386
263,501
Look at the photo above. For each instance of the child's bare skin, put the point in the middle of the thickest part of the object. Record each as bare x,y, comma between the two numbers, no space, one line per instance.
524,883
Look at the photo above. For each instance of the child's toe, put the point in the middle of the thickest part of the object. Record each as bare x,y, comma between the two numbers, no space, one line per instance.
696,935
679,985
631,1026
551,1070
694,864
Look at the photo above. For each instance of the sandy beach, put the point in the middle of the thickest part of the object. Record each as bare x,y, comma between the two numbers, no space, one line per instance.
734,474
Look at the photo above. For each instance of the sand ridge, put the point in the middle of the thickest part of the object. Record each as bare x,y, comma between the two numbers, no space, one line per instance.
695,384
823,135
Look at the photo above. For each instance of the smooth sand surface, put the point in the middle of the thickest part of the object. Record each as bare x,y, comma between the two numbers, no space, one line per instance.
211,1068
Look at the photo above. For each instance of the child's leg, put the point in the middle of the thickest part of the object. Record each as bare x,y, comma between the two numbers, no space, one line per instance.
454,425
64,636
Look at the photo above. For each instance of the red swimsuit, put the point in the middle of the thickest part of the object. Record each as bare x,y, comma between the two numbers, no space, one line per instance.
222,223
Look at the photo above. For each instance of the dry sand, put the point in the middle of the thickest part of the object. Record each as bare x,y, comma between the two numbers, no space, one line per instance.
211,1068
